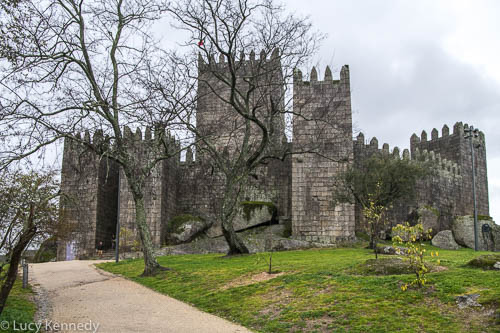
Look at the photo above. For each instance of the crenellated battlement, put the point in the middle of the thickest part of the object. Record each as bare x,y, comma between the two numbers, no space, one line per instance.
439,163
137,141
364,150
458,131
265,58
328,77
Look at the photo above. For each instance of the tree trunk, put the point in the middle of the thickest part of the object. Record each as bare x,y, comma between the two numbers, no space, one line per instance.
228,211
15,258
236,245
151,266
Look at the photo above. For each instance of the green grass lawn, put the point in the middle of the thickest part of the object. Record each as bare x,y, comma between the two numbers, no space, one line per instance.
19,308
319,291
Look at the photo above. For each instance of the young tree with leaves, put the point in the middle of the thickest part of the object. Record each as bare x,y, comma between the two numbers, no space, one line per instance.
28,211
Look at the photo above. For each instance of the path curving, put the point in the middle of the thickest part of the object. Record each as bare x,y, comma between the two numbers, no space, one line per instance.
77,292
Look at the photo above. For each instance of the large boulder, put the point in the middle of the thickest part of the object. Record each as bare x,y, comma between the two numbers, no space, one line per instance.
254,213
488,237
487,261
444,240
250,214
185,228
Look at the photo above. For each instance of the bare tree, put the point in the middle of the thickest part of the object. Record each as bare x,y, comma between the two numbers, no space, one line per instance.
244,105
73,65
28,210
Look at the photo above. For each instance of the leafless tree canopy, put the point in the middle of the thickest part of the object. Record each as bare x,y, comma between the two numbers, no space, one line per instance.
73,65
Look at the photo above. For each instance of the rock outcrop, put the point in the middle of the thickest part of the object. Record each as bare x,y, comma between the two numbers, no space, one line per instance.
488,236
444,240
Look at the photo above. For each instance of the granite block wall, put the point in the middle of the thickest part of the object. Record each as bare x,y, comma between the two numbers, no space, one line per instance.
96,193
448,190
88,205
324,130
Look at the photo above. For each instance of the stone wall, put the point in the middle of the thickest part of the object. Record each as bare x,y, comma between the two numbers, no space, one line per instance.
200,189
88,199
155,191
447,192
324,128
455,148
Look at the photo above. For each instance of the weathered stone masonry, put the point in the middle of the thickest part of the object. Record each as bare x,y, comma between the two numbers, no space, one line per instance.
447,193
327,123
300,187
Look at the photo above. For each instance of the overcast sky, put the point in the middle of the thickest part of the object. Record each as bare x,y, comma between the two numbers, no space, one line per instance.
416,65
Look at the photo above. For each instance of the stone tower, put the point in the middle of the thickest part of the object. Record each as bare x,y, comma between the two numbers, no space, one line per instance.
89,185
159,190
325,126
455,148
216,118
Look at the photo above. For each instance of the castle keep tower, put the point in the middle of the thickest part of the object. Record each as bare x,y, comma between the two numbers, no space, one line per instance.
260,80
325,126
259,88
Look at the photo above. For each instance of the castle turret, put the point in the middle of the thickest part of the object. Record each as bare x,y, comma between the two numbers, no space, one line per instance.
324,128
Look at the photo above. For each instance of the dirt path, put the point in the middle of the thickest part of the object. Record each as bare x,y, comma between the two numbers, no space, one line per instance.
78,293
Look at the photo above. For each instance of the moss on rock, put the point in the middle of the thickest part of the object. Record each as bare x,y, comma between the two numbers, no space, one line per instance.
485,261
250,206
385,266
432,209
175,224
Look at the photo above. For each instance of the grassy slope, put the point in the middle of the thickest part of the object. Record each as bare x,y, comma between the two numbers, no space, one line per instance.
320,293
19,307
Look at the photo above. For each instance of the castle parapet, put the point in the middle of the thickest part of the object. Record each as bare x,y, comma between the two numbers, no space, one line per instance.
265,57
328,77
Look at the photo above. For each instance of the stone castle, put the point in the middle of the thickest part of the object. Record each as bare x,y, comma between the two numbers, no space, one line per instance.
298,187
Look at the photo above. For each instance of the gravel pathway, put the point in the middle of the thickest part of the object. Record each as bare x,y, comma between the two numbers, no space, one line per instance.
78,297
